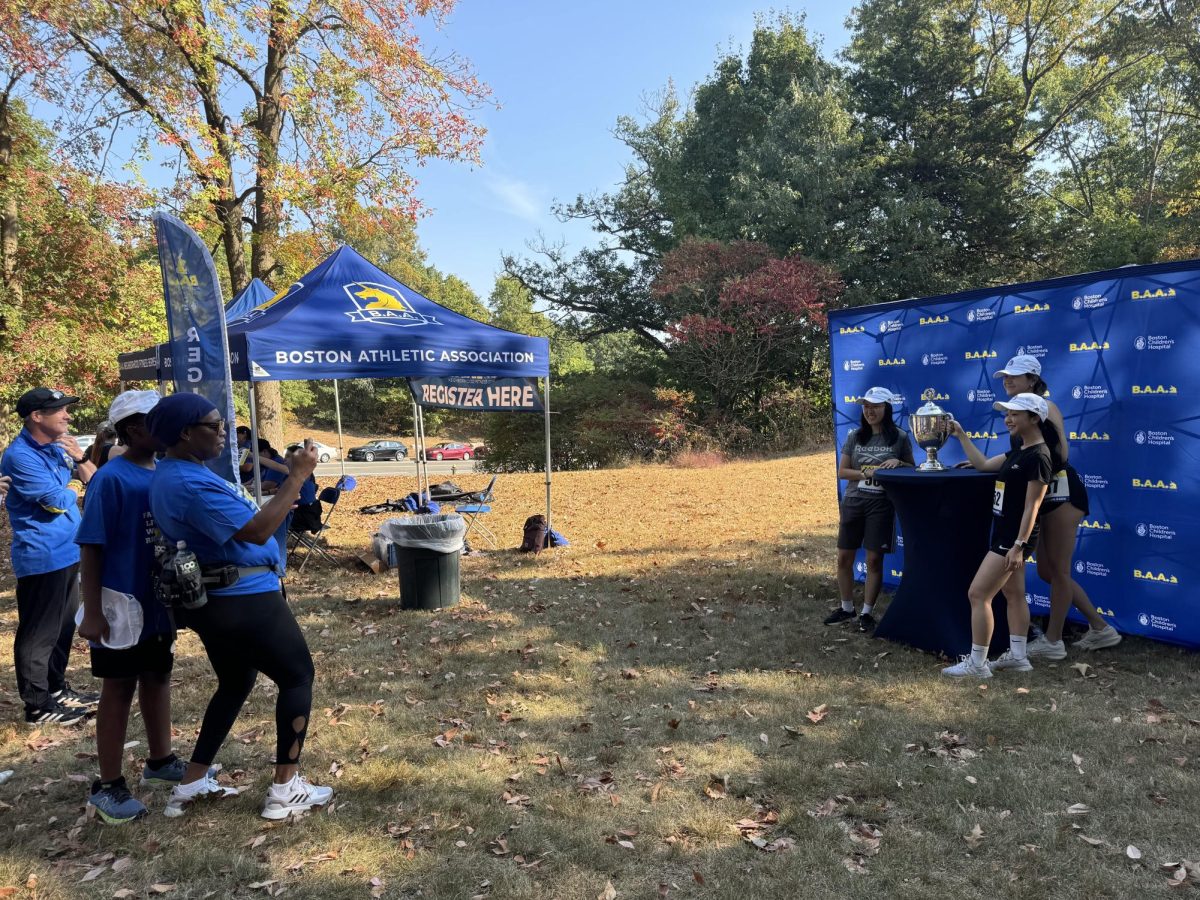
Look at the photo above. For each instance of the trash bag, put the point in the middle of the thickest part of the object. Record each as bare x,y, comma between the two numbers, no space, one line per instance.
442,533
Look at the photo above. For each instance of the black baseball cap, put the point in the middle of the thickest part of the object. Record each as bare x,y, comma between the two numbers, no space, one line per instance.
41,399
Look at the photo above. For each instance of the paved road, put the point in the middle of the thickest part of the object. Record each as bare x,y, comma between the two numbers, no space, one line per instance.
406,468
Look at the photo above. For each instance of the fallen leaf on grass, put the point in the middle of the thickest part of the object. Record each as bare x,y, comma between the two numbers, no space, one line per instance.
513,799
1133,852
1078,809
161,887
716,788
975,838
263,885
609,892
817,714
855,866
1082,668
1095,842
7,891
124,894
93,874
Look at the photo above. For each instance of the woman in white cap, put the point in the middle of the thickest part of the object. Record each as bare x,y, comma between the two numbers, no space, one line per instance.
868,518
1022,477
1065,505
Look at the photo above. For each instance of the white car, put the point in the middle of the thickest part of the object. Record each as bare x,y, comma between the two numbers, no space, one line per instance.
325,453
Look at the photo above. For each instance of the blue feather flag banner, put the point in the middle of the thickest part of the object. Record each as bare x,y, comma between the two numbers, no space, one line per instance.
196,322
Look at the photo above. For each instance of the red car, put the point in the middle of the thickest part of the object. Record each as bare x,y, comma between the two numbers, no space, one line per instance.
449,450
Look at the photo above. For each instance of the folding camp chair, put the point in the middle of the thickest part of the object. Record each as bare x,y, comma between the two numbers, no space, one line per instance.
311,540
479,506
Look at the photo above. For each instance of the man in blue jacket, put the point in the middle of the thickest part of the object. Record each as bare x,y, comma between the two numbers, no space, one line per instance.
48,471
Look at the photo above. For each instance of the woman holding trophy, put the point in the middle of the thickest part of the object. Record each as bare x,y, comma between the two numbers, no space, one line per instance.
868,518
1022,477
1065,505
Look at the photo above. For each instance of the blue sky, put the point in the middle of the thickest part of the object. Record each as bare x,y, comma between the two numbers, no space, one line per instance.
562,73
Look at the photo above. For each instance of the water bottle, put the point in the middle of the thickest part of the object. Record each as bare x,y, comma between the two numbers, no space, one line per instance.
188,577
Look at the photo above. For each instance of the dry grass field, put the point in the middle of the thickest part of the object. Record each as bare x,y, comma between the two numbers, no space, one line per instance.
653,712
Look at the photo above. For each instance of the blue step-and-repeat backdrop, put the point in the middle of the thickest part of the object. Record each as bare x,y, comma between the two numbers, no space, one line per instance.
1120,352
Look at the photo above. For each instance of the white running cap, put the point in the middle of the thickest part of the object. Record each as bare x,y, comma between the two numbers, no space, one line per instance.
1028,402
1021,365
130,403
878,395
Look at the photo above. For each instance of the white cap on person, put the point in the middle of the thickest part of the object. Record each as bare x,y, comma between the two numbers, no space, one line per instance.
1021,365
130,403
1028,402
878,395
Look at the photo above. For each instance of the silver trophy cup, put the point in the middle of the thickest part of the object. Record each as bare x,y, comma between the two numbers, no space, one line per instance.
931,428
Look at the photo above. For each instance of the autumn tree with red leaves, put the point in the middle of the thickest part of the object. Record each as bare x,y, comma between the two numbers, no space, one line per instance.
276,110
742,320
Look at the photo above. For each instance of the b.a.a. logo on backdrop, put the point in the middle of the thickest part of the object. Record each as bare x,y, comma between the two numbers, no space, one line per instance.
1152,293
383,305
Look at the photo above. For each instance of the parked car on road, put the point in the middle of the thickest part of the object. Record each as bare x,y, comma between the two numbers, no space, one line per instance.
325,453
378,450
449,450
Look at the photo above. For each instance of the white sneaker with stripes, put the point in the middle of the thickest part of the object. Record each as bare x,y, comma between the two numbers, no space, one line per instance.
295,796
184,795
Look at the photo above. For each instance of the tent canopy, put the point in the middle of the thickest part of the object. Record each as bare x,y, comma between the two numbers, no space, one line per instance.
349,319
252,295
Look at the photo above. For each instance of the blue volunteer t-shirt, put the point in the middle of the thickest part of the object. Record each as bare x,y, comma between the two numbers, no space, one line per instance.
192,503
117,519
43,513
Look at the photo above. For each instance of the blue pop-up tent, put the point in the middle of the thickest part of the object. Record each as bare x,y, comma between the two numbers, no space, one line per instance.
349,319
252,295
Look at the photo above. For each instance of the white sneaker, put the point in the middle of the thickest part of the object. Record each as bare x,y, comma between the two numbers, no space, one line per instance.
965,668
184,795
1006,660
1040,648
1098,640
295,796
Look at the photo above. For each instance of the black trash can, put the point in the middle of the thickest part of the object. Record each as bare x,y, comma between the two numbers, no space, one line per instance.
428,549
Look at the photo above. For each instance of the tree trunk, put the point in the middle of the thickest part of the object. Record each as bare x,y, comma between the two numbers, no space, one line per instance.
10,224
268,214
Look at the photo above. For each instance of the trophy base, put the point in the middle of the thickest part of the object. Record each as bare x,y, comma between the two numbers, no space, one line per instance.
931,465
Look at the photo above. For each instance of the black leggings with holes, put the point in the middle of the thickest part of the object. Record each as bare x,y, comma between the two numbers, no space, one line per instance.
244,635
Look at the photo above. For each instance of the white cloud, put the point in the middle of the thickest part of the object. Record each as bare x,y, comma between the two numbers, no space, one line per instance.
518,198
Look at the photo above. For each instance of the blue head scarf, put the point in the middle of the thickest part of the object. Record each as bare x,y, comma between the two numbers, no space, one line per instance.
174,413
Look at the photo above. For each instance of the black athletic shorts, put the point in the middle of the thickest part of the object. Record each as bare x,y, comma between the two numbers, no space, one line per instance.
1060,494
155,655
1003,538
867,523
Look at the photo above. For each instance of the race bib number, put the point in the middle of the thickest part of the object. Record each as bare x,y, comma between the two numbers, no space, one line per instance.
998,498
869,484
1058,486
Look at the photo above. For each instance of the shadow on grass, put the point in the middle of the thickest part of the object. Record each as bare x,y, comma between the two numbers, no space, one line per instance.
506,747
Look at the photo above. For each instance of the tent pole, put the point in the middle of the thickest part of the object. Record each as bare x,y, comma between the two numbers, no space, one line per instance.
254,446
424,449
337,409
548,468
417,444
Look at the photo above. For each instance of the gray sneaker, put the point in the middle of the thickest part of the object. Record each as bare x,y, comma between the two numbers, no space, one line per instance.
1040,648
1007,661
298,795
1099,640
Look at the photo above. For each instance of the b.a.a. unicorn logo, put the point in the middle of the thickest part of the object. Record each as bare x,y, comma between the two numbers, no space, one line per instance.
382,305
261,310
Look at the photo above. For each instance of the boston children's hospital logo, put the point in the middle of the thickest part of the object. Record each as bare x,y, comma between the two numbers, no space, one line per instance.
382,305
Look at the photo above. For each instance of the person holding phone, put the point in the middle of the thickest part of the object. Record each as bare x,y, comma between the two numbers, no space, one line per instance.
246,627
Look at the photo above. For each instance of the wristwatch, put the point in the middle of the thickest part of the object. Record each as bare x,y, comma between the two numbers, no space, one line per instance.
1019,543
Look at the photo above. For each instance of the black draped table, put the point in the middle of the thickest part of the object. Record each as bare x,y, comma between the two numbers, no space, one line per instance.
946,520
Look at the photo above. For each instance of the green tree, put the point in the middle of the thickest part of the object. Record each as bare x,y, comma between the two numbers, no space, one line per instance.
512,310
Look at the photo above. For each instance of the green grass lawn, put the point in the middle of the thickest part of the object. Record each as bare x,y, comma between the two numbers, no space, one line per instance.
654,712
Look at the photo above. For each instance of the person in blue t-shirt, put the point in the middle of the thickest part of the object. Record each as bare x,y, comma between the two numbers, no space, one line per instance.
247,627
48,471
131,633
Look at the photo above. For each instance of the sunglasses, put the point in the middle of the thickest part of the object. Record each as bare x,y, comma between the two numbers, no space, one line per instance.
215,426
